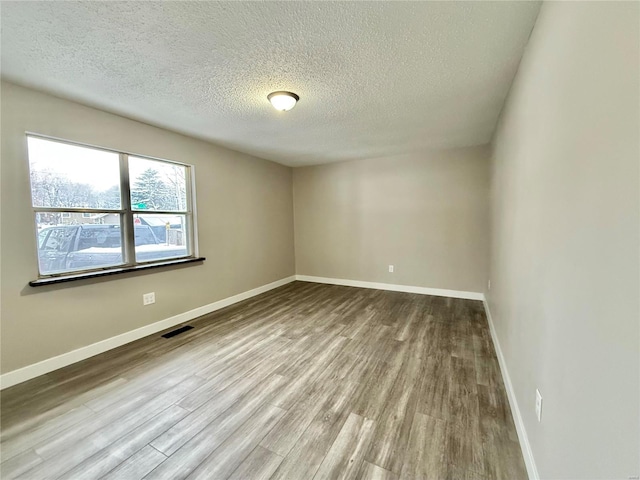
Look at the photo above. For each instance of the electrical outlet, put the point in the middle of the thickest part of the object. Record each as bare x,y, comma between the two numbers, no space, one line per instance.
149,298
390,268
538,405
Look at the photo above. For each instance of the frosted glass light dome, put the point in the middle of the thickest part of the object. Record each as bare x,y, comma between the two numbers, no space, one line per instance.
283,101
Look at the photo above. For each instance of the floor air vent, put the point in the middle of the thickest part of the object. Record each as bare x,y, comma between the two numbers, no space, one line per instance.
177,331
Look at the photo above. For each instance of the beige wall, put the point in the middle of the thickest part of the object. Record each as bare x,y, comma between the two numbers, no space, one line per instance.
245,231
425,214
565,263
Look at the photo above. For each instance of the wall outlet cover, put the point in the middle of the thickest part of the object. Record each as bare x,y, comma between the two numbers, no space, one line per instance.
149,298
538,405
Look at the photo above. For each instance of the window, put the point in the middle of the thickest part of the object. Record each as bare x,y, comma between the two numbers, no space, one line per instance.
98,209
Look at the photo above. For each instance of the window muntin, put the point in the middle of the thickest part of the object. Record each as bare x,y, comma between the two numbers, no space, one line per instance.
82,200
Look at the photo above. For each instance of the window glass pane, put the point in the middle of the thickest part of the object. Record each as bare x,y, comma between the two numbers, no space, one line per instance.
160,237
72,242
71,176
157,185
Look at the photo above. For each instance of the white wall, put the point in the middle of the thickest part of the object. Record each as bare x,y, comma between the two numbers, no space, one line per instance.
565,239
245,225
425,214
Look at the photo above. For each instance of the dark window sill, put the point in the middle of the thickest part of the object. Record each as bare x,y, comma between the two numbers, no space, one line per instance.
114,271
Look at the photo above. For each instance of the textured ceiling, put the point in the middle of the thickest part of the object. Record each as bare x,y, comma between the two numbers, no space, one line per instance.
375,79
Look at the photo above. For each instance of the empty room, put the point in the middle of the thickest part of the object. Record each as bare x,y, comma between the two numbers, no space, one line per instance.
320,240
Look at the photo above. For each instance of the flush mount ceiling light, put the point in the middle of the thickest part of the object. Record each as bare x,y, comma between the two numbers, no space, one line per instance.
283,100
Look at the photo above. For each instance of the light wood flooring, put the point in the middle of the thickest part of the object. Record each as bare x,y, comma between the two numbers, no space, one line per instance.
307,381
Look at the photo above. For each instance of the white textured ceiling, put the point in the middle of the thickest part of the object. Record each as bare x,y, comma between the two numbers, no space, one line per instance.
375,78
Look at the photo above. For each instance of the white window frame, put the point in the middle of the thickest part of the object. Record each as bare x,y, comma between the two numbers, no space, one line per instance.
126,212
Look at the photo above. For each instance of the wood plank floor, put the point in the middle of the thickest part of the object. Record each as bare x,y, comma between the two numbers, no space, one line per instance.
307,381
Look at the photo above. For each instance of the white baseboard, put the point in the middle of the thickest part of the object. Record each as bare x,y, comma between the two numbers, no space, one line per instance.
439,292
45,366
529,461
